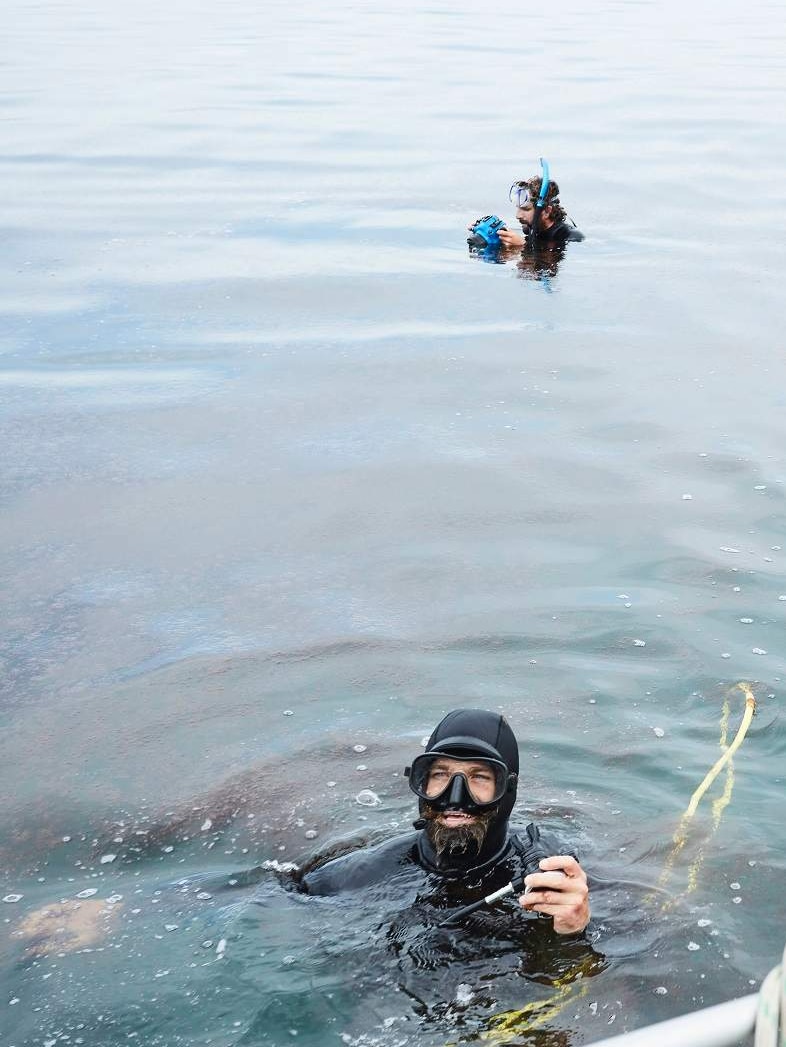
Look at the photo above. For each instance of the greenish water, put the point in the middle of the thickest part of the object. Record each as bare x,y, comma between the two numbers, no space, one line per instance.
285,472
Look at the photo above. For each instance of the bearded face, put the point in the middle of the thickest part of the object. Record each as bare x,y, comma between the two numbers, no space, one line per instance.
459,839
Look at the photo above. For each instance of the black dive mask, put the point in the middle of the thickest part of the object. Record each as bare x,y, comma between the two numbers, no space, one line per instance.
475,786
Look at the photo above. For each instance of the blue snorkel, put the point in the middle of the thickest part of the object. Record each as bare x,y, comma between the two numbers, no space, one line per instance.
541,201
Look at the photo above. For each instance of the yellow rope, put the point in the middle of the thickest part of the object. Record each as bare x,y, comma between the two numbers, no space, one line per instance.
719,805
712,774
511,1024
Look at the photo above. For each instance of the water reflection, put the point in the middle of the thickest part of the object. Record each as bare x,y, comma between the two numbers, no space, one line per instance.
536,262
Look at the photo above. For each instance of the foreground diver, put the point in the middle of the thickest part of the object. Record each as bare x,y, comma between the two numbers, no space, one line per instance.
463,849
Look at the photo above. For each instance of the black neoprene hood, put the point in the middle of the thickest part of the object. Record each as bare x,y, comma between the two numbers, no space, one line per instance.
475,732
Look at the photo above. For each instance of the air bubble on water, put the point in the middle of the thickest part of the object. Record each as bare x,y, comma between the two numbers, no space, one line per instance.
725,655
361,767
170,926
687,498
593,701
67,839
367,798
464,993
752,862
331,785
737,900
299,823
113,899
289,712
168,850
207,944
12,1002
735,886
736,589
289,959
221,948
161,974
782,596
658,732
746,621
758,650
388,1022
206,824
107,858
311,834
760,487
11,898
204,896
693,946
728,549
277,866
639,643
88,892
703,922
660,990
360,748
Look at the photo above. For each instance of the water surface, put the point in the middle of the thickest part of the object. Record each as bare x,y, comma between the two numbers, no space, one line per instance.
285,471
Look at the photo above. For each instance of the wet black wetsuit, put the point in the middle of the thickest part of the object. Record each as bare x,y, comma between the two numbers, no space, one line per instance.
412,852
559,235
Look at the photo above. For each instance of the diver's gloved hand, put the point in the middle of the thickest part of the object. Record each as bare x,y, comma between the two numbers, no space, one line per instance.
559,890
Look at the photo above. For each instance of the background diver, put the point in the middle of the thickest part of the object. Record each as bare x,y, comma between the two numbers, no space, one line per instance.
544,221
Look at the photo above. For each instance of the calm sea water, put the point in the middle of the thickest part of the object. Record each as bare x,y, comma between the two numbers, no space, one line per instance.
286,472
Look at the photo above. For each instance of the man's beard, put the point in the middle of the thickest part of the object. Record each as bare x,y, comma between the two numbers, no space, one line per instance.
458,839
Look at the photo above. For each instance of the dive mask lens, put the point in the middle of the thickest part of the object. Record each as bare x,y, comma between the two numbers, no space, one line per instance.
431,777
519,194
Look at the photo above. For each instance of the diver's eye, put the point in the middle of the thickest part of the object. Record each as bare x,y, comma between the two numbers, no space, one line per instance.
482,776
437,775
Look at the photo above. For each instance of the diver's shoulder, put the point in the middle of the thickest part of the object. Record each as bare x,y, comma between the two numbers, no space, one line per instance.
359,868
570,233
